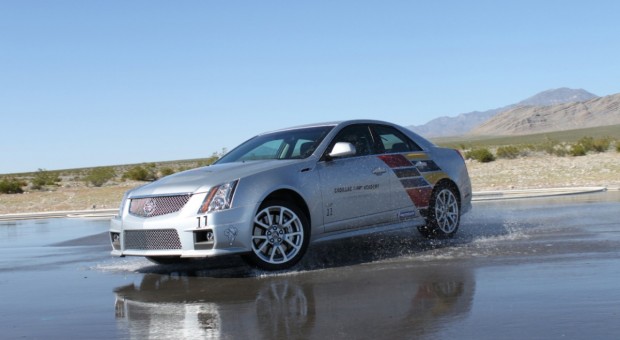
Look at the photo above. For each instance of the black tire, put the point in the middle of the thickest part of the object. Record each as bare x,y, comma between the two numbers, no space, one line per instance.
280,236
444,213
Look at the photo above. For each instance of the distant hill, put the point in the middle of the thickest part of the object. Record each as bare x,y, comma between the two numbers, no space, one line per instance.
466,122
567,116
557,96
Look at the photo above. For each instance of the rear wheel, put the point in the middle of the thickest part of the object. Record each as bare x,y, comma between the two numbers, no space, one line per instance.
443,214
280,236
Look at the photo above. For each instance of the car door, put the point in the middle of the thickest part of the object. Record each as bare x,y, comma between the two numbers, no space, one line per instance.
410,189
355,189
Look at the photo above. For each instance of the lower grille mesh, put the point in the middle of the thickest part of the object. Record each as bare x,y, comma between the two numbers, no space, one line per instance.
160,239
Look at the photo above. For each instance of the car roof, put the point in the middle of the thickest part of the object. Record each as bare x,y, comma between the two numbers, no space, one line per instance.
334,123
423,142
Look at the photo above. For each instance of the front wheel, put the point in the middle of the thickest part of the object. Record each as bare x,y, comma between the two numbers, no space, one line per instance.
443,214
280,236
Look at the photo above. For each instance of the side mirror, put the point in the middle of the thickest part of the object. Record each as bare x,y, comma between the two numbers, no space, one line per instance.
342,149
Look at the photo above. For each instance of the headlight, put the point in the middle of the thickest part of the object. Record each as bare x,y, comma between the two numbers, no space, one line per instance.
219,197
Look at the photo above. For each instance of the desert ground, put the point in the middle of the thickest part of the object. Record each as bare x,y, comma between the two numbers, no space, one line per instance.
535,171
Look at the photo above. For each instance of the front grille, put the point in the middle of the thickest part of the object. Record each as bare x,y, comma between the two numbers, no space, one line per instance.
157,205
159,239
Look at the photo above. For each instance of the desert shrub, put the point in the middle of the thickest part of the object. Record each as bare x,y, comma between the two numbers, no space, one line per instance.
43,178
213,158
482,155
147,172
548,146
617,146
11,186
166,171
509,152
552,147
588,144
577,150
601,145
560,151
100,176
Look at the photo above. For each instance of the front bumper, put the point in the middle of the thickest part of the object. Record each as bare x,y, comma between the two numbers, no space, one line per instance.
183,234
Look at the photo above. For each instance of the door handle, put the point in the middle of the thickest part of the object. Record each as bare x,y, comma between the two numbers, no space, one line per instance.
379,171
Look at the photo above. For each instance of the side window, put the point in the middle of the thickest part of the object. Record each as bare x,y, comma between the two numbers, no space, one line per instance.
359,136
390,140
303,148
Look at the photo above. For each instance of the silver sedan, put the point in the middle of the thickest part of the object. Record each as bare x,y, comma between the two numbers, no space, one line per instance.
271,196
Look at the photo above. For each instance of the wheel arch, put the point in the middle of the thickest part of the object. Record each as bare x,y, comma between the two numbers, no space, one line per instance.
284,253
290,196
432,229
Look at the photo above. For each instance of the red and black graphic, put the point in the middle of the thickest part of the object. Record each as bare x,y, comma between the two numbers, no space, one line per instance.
411,174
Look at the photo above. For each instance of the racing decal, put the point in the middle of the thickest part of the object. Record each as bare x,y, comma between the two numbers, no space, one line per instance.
350,188
417,173
231,234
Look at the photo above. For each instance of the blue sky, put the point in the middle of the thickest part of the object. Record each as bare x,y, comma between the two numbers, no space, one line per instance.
91,83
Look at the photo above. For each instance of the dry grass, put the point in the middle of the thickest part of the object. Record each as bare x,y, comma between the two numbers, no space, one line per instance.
544,171
537,171
65,198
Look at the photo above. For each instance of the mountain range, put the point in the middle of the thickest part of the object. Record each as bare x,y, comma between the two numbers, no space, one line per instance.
554,100
526,120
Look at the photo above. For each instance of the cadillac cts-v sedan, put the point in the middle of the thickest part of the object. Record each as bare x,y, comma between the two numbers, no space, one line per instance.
271,196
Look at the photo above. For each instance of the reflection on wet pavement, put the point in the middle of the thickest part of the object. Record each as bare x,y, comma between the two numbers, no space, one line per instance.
368,302
543,268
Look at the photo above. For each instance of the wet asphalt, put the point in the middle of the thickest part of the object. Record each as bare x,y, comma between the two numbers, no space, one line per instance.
544,268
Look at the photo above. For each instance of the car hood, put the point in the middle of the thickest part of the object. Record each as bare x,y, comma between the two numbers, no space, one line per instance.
202,179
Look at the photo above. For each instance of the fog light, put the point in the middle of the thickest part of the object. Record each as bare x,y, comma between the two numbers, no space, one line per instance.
204,239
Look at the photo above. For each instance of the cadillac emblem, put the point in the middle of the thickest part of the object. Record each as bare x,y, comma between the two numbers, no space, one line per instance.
149,207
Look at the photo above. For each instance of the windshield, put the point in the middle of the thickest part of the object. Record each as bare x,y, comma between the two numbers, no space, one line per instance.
290,144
